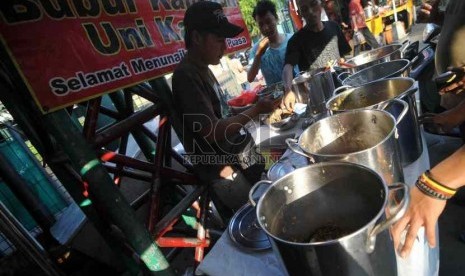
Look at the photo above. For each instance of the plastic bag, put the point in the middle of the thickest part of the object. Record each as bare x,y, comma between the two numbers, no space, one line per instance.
247,97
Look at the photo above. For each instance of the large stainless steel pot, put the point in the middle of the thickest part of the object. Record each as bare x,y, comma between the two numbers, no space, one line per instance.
390,69
314,88
365,137
375,56
302,211
321,88
300,87
380,92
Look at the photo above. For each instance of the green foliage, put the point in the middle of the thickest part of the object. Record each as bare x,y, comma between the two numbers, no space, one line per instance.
247,7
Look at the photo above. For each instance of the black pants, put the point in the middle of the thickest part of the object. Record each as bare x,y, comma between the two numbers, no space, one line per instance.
230,195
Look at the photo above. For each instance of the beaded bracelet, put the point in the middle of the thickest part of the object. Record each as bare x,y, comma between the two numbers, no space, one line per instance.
443,187
433,188
430,192
431,185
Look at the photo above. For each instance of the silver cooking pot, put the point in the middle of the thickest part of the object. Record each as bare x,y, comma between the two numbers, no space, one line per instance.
329,219
379,55
390,69
365,137
300,87
381,92
314,88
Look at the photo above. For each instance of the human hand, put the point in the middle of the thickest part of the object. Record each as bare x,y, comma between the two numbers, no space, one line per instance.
428,12
288,101
458,84
263,45
423,211
443,122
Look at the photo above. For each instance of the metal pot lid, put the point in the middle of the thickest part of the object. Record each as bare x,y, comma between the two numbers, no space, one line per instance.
245,230
286,165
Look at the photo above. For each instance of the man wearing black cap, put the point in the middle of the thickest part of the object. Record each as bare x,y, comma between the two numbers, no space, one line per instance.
201,104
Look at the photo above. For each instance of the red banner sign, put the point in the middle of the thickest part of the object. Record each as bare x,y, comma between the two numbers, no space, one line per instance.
68,51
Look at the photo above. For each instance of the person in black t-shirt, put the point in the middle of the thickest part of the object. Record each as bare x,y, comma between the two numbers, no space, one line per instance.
312,47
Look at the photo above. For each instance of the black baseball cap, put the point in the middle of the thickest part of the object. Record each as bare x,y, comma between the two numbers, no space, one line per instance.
209,16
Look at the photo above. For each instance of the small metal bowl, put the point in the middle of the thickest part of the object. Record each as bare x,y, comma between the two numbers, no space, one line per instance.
275,90
285,124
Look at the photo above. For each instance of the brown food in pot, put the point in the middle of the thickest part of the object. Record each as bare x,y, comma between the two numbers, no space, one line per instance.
328,232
